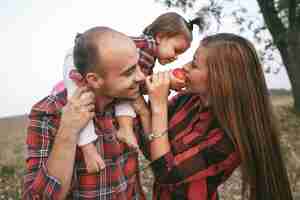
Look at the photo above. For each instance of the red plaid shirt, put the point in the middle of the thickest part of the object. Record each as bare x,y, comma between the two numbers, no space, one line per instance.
202,156
147,53
119,180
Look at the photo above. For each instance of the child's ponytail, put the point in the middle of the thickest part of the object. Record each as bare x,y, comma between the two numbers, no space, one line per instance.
199,21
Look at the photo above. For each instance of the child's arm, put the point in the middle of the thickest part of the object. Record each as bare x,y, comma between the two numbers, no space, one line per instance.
125,114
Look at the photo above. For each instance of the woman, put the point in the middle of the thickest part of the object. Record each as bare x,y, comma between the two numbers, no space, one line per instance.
223,120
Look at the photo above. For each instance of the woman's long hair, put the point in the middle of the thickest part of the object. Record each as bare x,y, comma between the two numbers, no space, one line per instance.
240,99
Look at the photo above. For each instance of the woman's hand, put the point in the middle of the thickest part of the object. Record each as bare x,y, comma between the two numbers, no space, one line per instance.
177,79
158,89
176,83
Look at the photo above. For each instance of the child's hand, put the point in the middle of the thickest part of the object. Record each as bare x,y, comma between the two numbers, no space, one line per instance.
93,160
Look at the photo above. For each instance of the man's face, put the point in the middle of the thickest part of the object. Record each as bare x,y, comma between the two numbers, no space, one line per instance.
122,73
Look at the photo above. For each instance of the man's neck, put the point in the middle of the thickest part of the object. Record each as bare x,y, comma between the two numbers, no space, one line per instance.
102,102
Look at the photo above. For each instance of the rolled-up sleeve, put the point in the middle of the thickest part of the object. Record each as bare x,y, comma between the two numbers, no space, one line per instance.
165,170
206,159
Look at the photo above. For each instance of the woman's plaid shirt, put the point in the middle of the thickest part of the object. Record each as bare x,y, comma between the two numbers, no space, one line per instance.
201,158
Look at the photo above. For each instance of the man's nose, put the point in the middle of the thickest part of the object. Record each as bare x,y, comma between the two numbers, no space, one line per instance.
139,75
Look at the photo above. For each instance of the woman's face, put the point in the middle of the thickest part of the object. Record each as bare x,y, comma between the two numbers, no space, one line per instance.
197,73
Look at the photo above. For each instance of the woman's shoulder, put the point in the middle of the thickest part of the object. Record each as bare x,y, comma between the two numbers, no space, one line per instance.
180,98
183,102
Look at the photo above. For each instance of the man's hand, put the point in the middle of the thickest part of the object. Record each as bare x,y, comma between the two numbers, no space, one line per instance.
79,110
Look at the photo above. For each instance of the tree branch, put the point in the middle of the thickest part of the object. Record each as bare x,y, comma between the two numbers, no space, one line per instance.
273,22
292,14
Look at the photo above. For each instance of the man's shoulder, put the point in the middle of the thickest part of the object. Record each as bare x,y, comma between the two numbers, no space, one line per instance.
50,105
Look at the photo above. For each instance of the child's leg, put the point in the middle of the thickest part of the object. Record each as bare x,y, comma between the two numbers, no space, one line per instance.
93,160
125,114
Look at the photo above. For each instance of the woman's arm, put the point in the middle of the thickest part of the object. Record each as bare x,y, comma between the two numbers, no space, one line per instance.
158,88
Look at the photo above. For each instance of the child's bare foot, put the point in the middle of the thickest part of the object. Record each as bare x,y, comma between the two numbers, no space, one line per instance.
127,137
92,159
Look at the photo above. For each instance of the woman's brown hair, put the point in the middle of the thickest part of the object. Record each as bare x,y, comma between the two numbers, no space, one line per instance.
240,100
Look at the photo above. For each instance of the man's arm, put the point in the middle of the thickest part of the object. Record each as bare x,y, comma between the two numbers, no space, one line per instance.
51,156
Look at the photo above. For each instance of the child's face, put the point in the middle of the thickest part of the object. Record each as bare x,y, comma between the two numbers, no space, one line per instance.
169,48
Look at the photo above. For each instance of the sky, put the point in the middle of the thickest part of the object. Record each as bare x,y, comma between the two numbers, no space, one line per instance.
35,35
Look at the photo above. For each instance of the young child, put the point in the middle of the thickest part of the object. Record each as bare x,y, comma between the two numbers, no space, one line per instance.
164,40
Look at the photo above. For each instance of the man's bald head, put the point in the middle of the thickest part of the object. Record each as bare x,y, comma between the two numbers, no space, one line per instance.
93,47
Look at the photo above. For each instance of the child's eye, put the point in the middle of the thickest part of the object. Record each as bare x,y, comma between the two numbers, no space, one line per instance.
178,51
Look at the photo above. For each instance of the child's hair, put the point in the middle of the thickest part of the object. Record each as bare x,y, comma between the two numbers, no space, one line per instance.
240,100
172,24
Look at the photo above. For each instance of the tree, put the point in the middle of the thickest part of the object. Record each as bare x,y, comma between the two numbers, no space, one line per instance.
280,18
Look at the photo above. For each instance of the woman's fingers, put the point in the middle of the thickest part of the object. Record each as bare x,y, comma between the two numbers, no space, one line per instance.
167,77
87,98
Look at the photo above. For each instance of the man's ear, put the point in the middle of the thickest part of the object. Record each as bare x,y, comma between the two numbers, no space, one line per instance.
94,80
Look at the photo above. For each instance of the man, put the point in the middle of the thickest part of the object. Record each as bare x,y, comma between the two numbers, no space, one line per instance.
108,61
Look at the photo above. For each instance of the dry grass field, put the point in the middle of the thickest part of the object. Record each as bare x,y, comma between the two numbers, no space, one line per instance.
12,153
